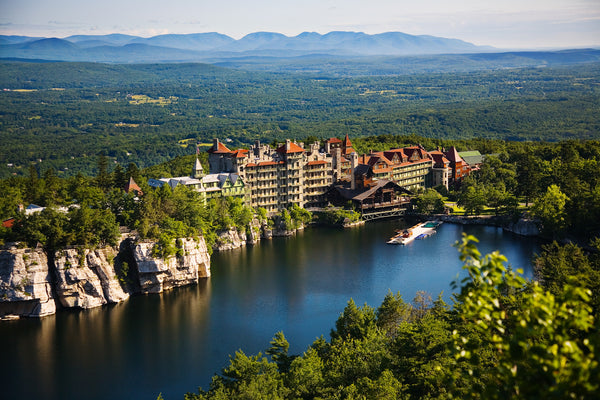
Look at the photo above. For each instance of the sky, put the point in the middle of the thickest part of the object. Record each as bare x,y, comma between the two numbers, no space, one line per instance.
506,24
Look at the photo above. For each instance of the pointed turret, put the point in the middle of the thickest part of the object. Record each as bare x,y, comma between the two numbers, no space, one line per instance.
131,186
198,172
347,146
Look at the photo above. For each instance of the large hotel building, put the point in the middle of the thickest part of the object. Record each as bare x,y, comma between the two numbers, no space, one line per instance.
276,178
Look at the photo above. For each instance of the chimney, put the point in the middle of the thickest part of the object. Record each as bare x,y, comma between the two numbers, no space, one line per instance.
337,164
353,165
215,144
288,142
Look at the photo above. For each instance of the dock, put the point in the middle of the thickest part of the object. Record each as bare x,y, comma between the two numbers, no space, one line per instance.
419,231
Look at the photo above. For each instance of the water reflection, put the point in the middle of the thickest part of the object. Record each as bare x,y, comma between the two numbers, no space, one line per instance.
175,341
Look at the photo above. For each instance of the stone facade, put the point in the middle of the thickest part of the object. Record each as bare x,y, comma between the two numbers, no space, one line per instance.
277,178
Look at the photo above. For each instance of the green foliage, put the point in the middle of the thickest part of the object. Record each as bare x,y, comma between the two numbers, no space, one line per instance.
337,217
392,312
558,265
95,115
472,198
549,209
299,215
354,322
503,334
279,352
536,336
429,202
123,273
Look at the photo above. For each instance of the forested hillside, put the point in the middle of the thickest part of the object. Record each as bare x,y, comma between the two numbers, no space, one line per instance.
62,115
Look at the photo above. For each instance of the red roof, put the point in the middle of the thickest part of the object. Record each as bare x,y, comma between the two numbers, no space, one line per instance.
377,157
131,186
452,155
318,162
8,223
438,158
240,153
265,163
334,140
294,148
221,149
347,141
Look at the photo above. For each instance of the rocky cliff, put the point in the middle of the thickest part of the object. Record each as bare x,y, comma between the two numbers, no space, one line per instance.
523,227
233,238
157,274
25,283
230,239
31,283
87,278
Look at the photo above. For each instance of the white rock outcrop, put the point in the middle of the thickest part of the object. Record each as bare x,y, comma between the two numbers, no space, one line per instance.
157,274
87,278
230,239
101,261
77,285
25,283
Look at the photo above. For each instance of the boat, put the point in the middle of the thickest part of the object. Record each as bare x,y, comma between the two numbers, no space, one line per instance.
419,231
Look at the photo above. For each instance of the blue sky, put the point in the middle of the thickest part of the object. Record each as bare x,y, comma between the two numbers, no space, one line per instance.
504,24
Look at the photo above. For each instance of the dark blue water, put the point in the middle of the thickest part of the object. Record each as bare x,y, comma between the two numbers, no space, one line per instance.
174,342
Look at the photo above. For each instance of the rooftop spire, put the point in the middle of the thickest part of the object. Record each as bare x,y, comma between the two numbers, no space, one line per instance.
198,172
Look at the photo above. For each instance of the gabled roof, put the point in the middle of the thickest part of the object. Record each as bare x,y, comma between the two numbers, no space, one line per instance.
471,157
438,158
219,148
469,153
240,153
377,157
131,186
347,141
293,148
453,155
410,152
378,185
334,140
395,152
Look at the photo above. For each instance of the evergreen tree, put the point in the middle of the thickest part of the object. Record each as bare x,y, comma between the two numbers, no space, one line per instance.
103,179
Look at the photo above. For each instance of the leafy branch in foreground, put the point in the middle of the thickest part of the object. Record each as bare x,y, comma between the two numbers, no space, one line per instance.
506,337
545,345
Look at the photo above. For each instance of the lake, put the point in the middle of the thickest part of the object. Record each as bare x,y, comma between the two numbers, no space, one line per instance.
174,342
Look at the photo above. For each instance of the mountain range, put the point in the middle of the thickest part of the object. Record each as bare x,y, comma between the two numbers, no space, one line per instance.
121,48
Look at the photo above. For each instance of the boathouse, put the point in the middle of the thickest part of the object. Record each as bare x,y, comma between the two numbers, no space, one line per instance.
383,199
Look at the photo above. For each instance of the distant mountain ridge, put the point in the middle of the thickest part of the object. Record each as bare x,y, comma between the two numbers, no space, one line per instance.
199,46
